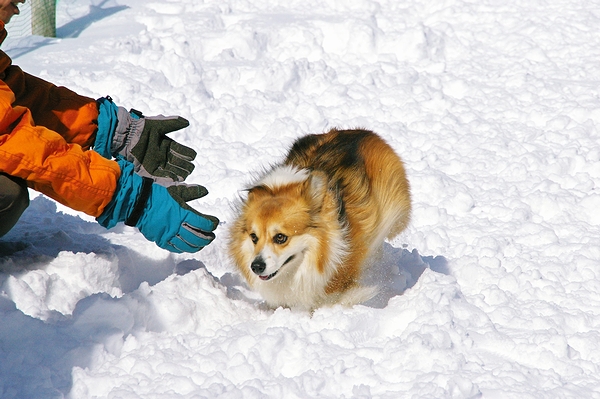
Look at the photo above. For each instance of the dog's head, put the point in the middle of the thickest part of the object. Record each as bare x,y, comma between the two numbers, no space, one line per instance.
278,226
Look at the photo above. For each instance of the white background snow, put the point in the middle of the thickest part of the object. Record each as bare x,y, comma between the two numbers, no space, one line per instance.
492,292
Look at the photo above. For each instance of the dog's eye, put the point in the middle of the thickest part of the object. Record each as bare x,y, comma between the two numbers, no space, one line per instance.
280,238
254,238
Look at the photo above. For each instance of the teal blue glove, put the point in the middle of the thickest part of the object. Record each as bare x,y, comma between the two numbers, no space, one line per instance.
160,213
143,141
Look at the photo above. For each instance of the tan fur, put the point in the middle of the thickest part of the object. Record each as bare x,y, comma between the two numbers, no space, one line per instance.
335,199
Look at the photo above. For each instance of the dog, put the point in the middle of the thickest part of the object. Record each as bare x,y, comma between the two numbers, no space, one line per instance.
311,225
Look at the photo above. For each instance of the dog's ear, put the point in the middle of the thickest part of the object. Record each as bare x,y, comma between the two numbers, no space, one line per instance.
315,189
258,191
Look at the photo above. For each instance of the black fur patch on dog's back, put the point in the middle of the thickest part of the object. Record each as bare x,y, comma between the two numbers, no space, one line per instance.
327,153
330,153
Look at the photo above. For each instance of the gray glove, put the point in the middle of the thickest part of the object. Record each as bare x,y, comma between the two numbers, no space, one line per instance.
143,142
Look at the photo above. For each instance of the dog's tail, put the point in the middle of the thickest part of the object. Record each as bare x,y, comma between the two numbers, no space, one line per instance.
389,185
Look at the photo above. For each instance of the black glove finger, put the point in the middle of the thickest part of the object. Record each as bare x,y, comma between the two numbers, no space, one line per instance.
213,219
182,151
168,175
200,233
178,166
164,125
183,193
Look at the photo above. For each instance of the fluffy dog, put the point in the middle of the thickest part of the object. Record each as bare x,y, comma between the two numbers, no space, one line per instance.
311,225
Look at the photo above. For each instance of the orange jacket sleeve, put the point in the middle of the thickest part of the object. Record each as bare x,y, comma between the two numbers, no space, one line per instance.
82,180
57,108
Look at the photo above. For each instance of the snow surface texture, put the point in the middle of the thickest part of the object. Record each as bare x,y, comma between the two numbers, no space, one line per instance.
492,292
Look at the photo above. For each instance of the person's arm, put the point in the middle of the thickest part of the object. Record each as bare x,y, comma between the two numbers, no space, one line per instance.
82,180
109,190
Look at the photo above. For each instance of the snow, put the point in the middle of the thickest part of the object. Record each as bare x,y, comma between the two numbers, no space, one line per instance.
492,292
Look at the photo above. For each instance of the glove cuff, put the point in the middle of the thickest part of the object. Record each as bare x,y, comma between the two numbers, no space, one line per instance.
107,124
118,130
125,198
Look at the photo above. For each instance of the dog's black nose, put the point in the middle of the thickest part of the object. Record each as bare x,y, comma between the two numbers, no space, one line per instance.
258,265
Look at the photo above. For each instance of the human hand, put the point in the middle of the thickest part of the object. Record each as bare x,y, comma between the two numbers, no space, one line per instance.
160,213
143,141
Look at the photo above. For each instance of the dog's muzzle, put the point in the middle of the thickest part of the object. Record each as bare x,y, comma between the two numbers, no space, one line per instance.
258,265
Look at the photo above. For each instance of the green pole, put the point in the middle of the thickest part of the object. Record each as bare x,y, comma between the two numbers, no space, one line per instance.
43,17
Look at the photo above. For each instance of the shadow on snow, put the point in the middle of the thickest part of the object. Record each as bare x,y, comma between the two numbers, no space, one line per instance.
42,233
71,29
38,357
77,26
396,271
